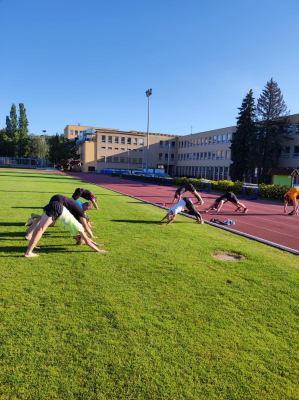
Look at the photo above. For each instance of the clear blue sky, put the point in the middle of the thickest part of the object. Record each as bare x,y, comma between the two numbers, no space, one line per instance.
91,61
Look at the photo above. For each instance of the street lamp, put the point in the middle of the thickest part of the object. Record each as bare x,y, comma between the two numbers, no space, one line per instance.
44,140
148,94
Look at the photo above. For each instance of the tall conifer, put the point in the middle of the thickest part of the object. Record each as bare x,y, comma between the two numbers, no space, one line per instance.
23,131
243,143
12,133
272,125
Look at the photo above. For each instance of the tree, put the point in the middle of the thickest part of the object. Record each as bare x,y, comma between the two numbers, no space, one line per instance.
61,148
35,146
243,143
23,131
3,143
12,133
272,124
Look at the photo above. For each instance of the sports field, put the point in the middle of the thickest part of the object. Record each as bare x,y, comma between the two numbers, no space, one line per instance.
158,317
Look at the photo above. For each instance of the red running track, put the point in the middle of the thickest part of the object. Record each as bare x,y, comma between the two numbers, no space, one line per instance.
264,221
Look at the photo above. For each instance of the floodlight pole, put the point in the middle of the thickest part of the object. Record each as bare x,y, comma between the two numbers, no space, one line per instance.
148,94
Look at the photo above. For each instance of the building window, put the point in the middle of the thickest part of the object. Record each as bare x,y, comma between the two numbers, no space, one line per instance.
179,145
166,156
188,143
72,132
161,143
227,154
210,139
287,151
202,141
139,160
194,156
222,154
109,139
115,159
206,141
123,140
203,170
134,161
122,148
103,139
129,140
184,156
187,156
141,142
109,159
116,139
297,128
214,155
173,145
205,155
219,139
289,130
109,148
191,143
103,147
115,148
214,139
218,155
160,156
228,138
296,151
201,155
212,171
223,138
167,144
122,159
135,141
197,156
209,155
171,157
76,132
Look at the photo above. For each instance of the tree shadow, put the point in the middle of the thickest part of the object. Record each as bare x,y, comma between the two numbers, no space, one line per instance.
132,221
31,208
12,224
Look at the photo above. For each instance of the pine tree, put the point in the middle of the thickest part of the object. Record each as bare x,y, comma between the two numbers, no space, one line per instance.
243,143
22,131
12,133
272,124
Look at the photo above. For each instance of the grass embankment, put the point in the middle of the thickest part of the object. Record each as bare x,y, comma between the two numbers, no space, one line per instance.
155,318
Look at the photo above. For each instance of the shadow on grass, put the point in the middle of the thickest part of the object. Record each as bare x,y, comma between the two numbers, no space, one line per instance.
11,224
132,221
31,208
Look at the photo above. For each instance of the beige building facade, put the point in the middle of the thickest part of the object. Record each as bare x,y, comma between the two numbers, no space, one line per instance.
204,154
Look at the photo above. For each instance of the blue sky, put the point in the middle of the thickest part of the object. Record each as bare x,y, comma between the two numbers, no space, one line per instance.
90,62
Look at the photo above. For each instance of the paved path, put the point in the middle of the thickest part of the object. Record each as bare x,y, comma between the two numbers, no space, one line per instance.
265,220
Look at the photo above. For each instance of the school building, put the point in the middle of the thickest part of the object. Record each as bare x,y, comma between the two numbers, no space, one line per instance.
204,154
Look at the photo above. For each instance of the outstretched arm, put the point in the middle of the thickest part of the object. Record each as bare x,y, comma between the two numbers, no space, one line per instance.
95,204
211,206
86,227
91,243
220,204
171,220
164,218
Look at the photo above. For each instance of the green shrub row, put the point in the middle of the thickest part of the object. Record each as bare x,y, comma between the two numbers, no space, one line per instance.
266,191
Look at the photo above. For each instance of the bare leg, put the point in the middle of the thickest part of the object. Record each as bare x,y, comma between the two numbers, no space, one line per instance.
33,215
197,195
37,234
31,228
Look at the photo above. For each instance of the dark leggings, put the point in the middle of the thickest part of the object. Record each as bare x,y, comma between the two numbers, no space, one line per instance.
191,208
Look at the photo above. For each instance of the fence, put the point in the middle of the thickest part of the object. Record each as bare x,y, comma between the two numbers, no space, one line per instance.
22,162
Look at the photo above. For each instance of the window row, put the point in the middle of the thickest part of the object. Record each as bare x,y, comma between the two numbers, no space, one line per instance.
212,173
166,156
122,140
206,155
166,142
115,159
289,129
76,132
122,148
216,139
288,154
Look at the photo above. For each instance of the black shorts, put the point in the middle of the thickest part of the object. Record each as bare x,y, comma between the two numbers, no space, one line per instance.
230,196
53,209
77,194
190,207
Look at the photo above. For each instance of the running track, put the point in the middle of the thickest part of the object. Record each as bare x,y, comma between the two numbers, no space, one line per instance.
264,221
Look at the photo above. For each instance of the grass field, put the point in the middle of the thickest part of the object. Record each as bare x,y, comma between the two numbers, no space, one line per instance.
158,317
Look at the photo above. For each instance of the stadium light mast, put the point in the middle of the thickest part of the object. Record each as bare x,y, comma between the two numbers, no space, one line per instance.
148,94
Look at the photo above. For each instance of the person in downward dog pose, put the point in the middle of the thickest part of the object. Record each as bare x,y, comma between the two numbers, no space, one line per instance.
292,194
185,202
188,187
87,195
56,211
231,197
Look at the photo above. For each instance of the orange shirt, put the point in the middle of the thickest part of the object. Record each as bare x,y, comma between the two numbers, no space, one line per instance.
293,193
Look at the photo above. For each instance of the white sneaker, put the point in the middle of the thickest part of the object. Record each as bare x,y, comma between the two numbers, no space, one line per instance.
202,202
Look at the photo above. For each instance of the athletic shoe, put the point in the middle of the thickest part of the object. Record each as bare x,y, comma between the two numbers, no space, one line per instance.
245,210
201,202
292,213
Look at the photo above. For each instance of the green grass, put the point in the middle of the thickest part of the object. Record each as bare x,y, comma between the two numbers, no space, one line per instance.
155,318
